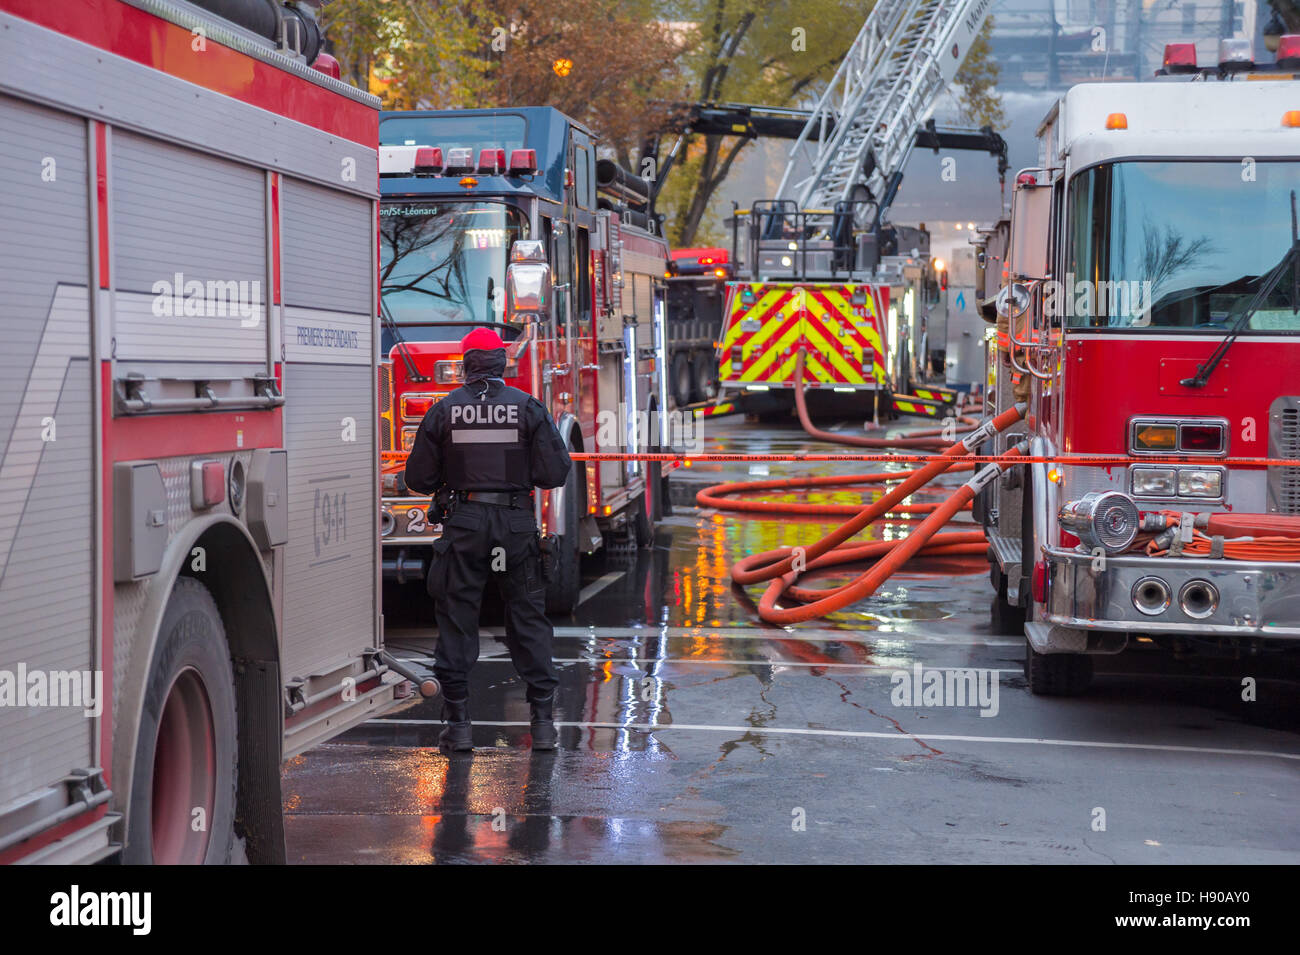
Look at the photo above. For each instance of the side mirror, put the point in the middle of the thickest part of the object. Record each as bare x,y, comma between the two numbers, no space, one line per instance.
1031,216
528,283
1012,301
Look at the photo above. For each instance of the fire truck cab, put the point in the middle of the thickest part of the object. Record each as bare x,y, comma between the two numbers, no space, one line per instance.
504,218
1153,314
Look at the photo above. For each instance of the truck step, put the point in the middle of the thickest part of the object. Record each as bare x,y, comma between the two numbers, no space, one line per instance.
920,407
712,409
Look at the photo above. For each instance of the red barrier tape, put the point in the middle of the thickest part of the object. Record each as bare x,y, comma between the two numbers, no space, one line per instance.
1076,459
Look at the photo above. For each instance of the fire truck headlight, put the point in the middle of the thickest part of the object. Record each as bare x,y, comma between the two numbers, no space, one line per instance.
446,372
1154,482
1106,519
408,438
786,261
1200,482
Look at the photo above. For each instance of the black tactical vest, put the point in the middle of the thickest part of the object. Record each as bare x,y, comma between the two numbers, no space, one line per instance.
487,442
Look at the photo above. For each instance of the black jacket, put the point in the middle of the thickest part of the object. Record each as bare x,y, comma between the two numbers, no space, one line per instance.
487,436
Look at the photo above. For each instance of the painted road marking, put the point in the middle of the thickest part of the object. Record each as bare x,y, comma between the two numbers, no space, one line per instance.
775,663
593,588
811,635
868,734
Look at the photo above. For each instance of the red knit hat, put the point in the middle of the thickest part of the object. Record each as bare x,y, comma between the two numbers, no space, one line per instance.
482,338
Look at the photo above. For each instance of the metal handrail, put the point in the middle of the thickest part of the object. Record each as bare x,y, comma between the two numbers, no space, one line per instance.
1029,347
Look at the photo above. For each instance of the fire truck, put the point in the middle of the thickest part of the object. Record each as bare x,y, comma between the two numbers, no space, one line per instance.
505,218
1152,310
818,260
189,566
779,304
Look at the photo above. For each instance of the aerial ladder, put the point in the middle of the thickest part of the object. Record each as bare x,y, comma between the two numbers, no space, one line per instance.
822,252
859,136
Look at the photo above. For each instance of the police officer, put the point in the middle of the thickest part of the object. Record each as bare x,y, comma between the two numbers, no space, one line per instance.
490,445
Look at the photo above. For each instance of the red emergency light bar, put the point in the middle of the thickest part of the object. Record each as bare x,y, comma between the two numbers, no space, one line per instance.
428,159
492,161
703,256
1236,55
324,63
1288,51
459,161
709,256
523,161
1180,57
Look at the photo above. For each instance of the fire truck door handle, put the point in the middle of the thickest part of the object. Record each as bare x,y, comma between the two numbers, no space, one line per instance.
560,370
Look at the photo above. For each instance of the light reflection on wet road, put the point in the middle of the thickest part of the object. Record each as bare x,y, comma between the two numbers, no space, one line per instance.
692,732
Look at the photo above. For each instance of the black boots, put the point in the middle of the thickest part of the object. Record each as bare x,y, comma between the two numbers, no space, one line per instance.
457,737
545,736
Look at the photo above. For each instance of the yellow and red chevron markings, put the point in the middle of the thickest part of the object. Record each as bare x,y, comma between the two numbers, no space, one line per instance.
770,321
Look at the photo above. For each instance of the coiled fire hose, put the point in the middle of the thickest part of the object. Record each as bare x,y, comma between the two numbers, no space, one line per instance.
1272,537
782,567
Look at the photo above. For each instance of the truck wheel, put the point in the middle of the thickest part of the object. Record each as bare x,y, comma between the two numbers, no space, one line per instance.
706,375
566,571
1006,618
182,807
681,372
1057,674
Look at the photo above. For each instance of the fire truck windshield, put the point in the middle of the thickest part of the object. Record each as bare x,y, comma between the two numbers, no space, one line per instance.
1179,246
444,264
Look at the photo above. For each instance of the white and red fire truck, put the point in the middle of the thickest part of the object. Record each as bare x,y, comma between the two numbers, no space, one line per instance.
189,566
504,218
1153,303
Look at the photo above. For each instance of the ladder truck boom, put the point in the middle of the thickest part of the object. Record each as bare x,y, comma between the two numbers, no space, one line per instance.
817,271
864,125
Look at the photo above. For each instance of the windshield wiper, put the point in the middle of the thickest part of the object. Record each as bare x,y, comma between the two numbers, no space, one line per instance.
1267,284
412,373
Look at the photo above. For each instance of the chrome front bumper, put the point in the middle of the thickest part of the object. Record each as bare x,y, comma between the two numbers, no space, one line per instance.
1255,599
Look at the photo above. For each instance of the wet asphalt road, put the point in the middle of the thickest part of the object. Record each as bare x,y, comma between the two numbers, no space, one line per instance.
693,733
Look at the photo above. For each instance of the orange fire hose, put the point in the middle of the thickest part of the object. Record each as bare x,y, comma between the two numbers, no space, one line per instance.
783,566
1279,540
930,438
895,555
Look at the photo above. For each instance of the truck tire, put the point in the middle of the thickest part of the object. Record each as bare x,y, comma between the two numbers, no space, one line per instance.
705,371
1057,674
563,585
681,372
185,758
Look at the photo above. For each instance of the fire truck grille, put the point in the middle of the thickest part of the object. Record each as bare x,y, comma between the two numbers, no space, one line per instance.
1284,483
385,408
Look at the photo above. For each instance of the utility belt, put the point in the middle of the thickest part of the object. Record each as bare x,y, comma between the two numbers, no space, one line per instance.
499,498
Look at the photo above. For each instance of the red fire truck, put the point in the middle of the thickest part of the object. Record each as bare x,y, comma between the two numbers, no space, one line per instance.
189,563
504,218
1153,305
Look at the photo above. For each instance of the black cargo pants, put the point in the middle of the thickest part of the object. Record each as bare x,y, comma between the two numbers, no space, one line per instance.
481,541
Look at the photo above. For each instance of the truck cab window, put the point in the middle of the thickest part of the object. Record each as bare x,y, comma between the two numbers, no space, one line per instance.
444,263
1180,246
